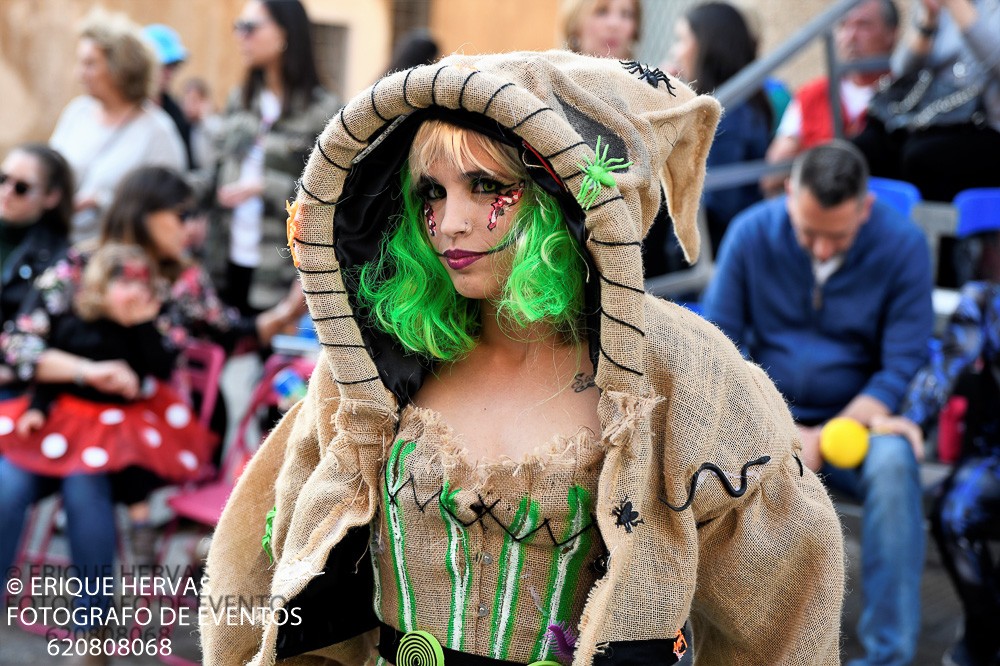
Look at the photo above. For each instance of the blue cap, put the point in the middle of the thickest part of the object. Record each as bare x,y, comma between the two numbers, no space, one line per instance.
166,42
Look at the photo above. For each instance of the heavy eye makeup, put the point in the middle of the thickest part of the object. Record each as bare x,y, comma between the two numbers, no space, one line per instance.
479,183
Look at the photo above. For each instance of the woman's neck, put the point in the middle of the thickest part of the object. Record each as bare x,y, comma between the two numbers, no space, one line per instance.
273,80
116,110
513,341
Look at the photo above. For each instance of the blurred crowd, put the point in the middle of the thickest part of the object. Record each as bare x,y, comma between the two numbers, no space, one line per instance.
152,218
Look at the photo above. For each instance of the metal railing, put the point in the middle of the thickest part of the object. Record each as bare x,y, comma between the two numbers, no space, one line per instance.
749,80
739,89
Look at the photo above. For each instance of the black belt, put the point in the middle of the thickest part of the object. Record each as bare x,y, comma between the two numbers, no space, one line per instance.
388,645
660,652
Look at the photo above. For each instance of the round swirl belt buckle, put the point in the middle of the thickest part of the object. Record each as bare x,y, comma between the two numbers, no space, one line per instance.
419,648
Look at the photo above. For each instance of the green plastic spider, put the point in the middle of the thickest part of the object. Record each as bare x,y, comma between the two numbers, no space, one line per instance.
597,175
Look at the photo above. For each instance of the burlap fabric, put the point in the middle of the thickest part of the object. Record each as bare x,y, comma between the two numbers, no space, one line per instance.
751,550
502,488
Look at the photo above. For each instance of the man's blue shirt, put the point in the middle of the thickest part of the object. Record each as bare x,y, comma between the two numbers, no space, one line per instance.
865,331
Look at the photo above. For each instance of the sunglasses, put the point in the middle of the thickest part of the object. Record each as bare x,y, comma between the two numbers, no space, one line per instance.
245,28
20,187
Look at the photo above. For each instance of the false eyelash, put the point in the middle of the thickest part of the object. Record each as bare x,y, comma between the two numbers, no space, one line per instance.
425,187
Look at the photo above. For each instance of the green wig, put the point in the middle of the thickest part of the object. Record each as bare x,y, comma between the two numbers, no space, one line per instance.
412,297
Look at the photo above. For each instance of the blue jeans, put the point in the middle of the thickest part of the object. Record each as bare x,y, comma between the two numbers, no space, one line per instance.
90,523
892,548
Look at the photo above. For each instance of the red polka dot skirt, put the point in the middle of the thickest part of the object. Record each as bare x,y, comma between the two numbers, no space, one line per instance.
159,433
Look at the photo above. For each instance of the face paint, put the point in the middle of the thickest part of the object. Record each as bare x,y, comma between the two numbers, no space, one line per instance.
429,216
503,202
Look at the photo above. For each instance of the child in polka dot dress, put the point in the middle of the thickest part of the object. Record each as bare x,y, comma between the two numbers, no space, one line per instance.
63,429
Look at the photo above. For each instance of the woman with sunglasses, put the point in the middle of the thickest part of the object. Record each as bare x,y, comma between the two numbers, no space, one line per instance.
149,210
268,129
36,205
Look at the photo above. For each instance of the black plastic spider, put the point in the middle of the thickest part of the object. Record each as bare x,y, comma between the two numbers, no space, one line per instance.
651,75
626,516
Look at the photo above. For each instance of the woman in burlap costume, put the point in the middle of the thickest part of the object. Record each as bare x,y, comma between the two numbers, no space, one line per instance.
414,503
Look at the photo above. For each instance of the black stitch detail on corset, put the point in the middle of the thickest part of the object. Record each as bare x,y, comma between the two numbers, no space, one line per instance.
329,271
493,96
341,346
563,150
461,93
348,129
434,83
802,470
311,244
360,381
332,317
619,365
620,285
482,510
374,107
623,323
329,159
406,80
606,201
530,116
615,243
312,196
734,492
626,516
322,293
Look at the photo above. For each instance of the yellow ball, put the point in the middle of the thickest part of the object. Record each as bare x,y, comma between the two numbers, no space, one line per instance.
843,442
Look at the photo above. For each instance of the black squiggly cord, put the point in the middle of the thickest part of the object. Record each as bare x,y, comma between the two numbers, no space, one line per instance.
712,467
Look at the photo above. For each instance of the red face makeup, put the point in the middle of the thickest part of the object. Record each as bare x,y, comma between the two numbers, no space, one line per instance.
503,202
429,216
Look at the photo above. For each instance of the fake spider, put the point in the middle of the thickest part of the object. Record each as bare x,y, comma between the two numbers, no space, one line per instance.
626,516
597,175
651,75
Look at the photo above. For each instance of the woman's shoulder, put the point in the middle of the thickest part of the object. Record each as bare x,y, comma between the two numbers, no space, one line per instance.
688,356
678,340
79,110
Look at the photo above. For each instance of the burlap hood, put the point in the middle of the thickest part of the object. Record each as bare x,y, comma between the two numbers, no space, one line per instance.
558,103
678,404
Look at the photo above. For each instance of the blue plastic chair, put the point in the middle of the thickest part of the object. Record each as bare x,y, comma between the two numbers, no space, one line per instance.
978,211
899,194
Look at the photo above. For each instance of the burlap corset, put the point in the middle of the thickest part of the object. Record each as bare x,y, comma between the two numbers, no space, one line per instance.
485,556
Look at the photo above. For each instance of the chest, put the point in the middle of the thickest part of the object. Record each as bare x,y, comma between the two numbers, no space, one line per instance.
508,413
485,556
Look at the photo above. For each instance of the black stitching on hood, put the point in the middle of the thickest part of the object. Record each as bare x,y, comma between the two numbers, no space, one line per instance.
493,96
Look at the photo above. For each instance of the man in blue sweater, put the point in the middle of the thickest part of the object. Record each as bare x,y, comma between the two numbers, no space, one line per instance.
830,292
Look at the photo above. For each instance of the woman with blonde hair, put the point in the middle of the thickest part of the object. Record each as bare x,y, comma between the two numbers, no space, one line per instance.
113,127
602,28
509,453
